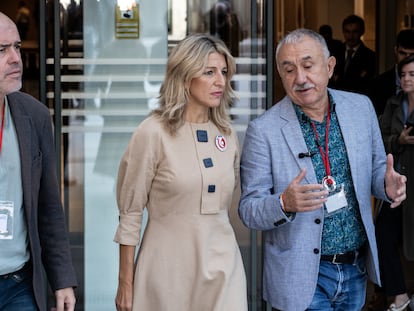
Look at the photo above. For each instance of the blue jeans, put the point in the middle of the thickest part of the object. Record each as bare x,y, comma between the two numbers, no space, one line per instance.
16,291
341,287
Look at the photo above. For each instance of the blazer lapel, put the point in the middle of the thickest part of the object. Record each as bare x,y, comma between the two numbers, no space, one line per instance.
296,143
349,134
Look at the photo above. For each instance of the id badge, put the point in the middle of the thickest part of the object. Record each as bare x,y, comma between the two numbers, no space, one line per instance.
336,201
6,220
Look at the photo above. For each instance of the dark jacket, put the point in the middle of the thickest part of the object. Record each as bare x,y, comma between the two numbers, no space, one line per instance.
382,88
46,228
392,123
361,71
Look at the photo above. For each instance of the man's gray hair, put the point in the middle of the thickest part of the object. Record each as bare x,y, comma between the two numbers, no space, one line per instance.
297,35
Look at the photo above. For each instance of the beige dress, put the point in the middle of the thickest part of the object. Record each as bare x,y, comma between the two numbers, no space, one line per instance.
189,258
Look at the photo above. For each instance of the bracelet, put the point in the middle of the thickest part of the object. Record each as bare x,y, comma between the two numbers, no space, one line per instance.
281,202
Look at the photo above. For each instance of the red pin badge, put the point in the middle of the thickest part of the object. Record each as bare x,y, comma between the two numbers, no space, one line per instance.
221,142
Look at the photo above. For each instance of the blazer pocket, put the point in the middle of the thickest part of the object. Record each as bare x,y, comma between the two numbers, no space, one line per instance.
37,164
37,157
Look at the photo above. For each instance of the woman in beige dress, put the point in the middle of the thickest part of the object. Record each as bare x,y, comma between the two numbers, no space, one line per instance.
182,165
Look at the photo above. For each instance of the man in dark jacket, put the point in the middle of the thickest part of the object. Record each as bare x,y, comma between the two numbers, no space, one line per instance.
33,236
387,84
356,64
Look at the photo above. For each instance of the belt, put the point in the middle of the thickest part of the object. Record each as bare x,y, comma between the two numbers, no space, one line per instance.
26,267
342,258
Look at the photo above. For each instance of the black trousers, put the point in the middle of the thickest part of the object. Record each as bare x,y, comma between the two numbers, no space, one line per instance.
388,230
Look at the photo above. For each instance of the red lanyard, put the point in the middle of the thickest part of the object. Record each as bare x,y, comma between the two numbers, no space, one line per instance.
2,125
324,155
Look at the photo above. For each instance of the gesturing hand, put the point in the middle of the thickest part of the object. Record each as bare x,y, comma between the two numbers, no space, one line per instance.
395,183
302,198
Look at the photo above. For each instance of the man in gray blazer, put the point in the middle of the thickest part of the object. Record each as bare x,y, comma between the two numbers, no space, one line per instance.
309,167
33,236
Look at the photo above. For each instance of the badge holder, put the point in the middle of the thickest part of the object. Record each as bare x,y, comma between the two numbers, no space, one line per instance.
336,201
6,220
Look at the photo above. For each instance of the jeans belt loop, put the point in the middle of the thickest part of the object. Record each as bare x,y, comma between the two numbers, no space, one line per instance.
356,256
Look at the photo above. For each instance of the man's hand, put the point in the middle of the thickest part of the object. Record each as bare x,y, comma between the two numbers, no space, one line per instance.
395,183
303,198
65,299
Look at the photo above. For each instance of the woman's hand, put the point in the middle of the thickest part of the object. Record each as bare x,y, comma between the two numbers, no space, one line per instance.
407,136
124,297
125,293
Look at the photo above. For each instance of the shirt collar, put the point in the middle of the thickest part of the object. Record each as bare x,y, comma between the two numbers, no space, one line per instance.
355,48
303,118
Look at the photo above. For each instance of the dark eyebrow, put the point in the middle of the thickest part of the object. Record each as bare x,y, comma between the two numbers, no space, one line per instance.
305,58
214,67
11,44
286,62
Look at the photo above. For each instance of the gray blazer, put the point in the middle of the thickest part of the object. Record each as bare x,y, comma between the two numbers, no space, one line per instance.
48,241
270,162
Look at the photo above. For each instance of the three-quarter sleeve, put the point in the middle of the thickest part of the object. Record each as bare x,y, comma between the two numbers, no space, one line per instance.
135,175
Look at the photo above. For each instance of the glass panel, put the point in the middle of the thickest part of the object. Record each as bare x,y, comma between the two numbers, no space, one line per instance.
240,25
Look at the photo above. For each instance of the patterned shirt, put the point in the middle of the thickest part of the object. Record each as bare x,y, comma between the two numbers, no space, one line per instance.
343,230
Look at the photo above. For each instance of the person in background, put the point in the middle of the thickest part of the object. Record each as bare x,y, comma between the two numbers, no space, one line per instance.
309,167
335,46
395,226
383,87
387,84
23,19
182,165
33,235
356,64
224,23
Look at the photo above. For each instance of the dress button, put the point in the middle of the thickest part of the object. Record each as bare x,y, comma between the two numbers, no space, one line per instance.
316,251
317,221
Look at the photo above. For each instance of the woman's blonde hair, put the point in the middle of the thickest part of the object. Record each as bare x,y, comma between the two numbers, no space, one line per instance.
187,61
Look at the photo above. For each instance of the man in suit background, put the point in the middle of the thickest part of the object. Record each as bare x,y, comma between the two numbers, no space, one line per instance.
33,233
335,46
387,84
356,64
309,166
